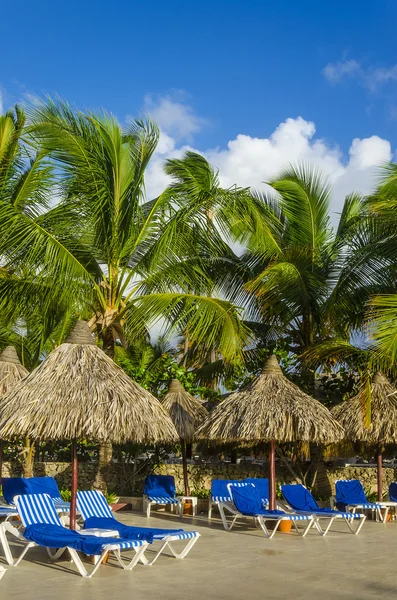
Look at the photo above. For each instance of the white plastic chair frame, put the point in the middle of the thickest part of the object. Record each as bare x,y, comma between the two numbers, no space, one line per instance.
261,521
148,503
113,548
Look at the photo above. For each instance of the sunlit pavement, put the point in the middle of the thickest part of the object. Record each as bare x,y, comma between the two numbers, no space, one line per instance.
226,565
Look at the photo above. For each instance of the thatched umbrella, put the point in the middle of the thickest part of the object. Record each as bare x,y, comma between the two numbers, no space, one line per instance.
273,409
187,413
78,392
11,373
382,428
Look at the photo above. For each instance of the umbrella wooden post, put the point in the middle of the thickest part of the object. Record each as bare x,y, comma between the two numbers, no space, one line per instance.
379,473
74,485
272,476
184,466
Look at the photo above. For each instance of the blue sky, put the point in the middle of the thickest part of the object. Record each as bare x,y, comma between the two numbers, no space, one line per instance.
212,71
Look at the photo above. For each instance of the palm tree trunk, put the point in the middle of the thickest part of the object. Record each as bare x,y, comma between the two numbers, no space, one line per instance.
105,452
105,449
28,460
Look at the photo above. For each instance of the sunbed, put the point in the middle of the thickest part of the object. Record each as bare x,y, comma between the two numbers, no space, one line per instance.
221,497
18,486
160,489
96,513
249,503
301,501
43,527
350,496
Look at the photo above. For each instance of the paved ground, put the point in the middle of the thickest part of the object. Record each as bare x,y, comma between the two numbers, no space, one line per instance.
241,564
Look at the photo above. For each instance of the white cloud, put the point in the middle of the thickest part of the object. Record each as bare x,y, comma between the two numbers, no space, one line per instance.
371,77
249,161
336,71
173,116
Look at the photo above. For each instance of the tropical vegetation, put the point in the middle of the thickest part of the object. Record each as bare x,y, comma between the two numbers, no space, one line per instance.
227,275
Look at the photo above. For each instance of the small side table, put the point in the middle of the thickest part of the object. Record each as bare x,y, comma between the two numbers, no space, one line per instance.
193,500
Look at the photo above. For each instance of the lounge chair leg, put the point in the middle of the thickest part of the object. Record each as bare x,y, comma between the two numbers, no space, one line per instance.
316,525
56,554
210,508
264,528
2,571
86,574
386,509
7,527
180,555
350,525
139,557
329,526
306,530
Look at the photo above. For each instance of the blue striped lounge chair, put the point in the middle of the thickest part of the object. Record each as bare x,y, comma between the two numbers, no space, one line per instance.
43,527
301,501
160,489
220,496
96,513
248,502
350,496
18,486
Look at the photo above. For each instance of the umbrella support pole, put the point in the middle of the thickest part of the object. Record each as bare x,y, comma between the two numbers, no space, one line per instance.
379,473
272,476
184,465
74,485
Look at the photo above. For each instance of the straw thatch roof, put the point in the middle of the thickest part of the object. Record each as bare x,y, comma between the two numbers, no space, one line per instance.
186,411
79,392
383,425
11,370
271,408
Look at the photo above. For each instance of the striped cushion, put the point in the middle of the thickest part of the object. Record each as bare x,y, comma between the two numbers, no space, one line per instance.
287,517
221,499
221,484
185,535
37,508
163,500
367,505
92,503
124,545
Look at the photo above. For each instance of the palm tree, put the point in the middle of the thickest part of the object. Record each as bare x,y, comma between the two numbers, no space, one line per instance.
104,250
301,282
382,313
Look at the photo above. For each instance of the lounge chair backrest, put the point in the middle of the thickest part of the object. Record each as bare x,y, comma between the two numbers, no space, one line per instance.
262,486
219,489
299,497
246,498
393,491
160,486
92,503
17,486
37,508
350,491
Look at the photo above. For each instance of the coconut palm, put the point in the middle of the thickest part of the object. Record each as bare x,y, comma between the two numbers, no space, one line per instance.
102,249
382,314
301,280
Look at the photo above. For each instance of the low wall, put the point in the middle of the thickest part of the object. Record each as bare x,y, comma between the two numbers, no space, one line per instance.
125,482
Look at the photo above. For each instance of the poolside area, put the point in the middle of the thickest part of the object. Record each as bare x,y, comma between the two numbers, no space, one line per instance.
227,565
